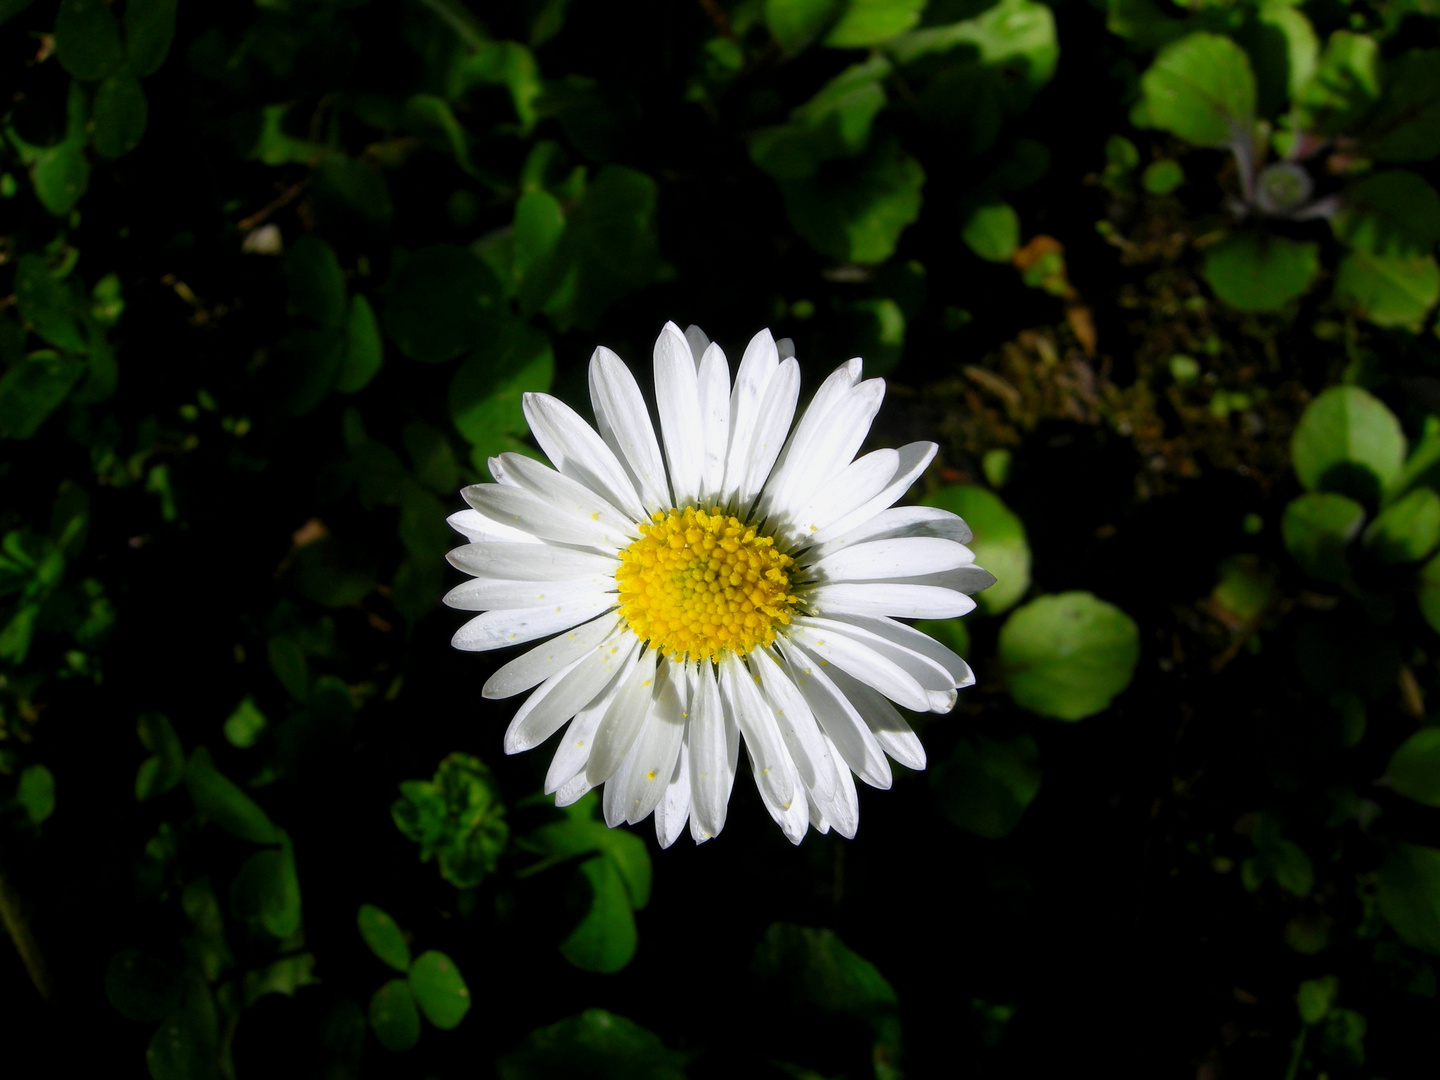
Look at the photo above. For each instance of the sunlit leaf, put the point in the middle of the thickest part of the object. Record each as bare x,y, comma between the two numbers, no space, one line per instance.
1201,88
439,989
384,937
1067,656
1318,528
1348,442
1260,272
1389,290
999,542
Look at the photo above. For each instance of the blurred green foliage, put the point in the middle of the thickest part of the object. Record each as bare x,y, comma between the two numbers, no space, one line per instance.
1159,277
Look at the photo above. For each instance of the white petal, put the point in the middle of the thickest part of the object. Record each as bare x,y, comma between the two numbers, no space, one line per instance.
564,694
573,791
573,750
809,749
890,729
487,594
650,763
889,598
714,384
854,486
962,579
793,818
825,441
712,755
903,557
496,629
530,562
625,426
769,760
545,519
915,641
674,808
837,717
757,368
477,528
536,665
914,458
623,720
550,485
573,447
896,522
677,398
698,342
843,811
933,676
846,652
772,421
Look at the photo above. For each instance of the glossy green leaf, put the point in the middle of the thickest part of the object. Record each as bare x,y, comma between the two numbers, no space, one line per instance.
1344,87
1318,529
1389,290
440,301
1315,998
539,224
61,176
605,938
267,890
857,212
1253,272
835,123
985,785
1067,656
1408,888
1407,530
869,22
1406,124
35,793
149,29
364,351
1201,88
1013,45
999,542
33,389
1415,767
141,987
486,395
458,816
597,1045
1162,177
993,232
1286,50
1347,441
87,39
221,800
1392,213
47,304
393,1016
384,937
795,23
317,284
121,114
439,989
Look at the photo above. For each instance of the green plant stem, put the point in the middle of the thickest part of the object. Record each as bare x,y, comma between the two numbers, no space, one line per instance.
1297,1054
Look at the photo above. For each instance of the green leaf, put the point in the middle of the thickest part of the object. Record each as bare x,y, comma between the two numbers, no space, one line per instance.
140,987
87,39
332,573
1407,530
267,890
1344,88
1428,593
856,211
346,193
999,543
605,939
1066,656
1245,590
439,989
33,389
1162,177
121,113
1253,272
458,816
423,530
1318,529
539,224
1013,41
795,23
869,22
305,365
1406,124
287,661
1315,998
1393,213
1415,767
364,350
441,301
486,395
393,1016
1389,290
317,284
218,798
985,786
47,304
1347,441
432,457
166,766
186,1045
35,793
1408,888
1201,88
246,724
61,177
149,29
1287,53
597,1045
835,123
383,935
993,232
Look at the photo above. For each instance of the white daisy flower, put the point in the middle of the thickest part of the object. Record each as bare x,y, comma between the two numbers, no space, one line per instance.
745,594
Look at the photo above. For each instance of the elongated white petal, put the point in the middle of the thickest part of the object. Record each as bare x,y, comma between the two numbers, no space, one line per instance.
769,760
564,694
651,761
574,747
907,637
625,426
561,490
772,419
837,717
843,810
573,790
896,522
673,809
793,817
677,399
932,675
698,342
855,485
757,368
623,720
903,557
577,452
536,665
712,759
477,528
488,594
832,442
963,579
496,629
857,658
889,598
565,524
714,386
809,749
517,562
889,727
914,458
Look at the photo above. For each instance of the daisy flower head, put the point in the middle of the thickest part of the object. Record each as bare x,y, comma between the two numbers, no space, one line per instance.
739,587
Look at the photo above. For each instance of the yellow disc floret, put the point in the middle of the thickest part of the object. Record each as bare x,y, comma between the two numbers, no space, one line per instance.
697,585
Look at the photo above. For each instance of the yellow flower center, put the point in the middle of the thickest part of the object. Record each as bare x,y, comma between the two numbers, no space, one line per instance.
698,585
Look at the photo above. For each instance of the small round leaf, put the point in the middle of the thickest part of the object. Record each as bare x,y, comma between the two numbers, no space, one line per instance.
393,1016
384,937
87,39
439,988
120,114
1348,442
1407,530
1415,767
1066,656
1318,528
1260,273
